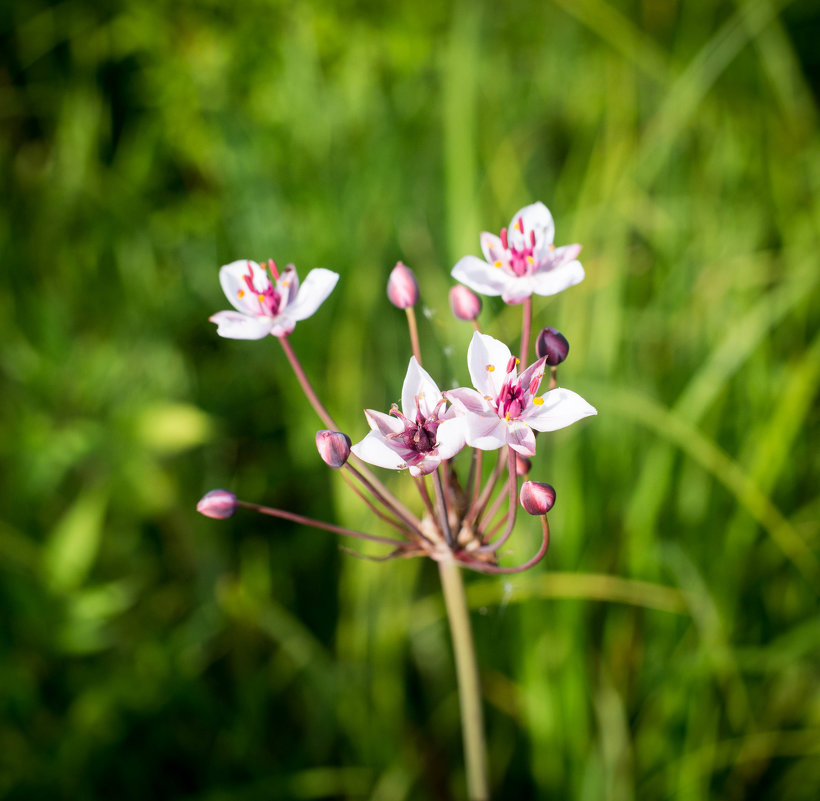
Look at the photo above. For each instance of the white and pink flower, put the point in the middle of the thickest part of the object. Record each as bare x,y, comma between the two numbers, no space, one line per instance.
420,436
505,408
263,307
523,260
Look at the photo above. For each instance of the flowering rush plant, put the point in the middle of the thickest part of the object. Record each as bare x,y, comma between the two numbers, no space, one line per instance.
467,515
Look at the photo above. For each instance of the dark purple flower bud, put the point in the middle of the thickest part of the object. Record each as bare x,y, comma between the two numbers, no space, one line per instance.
552,344
219,504
402,287
333,447
536,498
465,304
523,464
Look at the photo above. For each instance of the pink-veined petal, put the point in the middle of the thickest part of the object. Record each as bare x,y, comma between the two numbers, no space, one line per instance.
536,369
520,438
561,407
318,284
417,382
383,423
565,253
235,325
373,449
468,401
426,465
487,360
535,217
480,276
232,281
493,249
557,279
287,286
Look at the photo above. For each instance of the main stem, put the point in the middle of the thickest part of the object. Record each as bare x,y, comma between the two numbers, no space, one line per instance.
469,688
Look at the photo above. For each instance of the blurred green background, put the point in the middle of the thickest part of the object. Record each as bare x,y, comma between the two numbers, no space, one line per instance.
669,647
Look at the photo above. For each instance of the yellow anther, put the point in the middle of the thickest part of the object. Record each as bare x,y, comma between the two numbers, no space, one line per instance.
490,368
552,247
530,260
488,397
507,417
538,401
240,293
498,264
260,298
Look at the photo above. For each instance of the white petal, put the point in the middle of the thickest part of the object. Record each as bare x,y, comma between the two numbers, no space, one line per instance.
487,360
426,465
233,325
287,286
492,248
535,217
232,281
282,325
417,382
558,279
375,450
450,438
383,423
518,290
480,276
315,288
520,438
561,408
485,432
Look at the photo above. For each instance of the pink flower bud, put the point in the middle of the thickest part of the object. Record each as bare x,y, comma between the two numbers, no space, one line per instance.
536,498
465,304
402,287
333,447
523,464
552,344
219,504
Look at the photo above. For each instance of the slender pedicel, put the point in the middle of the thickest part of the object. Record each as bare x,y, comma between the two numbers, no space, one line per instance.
513,507
526,323
444,517
310,522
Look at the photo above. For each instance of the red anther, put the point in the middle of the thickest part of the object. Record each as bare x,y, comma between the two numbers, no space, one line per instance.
532,238
535,383
272,267
521,224
511,364
504,238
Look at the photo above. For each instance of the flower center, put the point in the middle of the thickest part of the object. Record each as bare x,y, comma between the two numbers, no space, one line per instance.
521,260
419,435
269,299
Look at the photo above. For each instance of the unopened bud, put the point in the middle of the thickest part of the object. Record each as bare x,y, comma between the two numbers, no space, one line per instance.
333,447
465,304
219,504
523,464
537,498
552,344
402,287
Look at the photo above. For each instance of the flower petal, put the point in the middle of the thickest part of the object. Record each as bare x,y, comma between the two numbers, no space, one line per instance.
487,360
287,286
450,438
561,407
383,423
480,276
373,449
282,325
315,288
537,218
233,325
468,401
557,279
520,437
426,465
518,290
485,432
493,249
232,281
417,383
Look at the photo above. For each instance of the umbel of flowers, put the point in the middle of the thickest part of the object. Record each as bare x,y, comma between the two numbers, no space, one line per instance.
464,517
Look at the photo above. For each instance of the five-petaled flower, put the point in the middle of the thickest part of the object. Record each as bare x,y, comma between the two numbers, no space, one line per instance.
505,407
523,261
418,437
265,308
